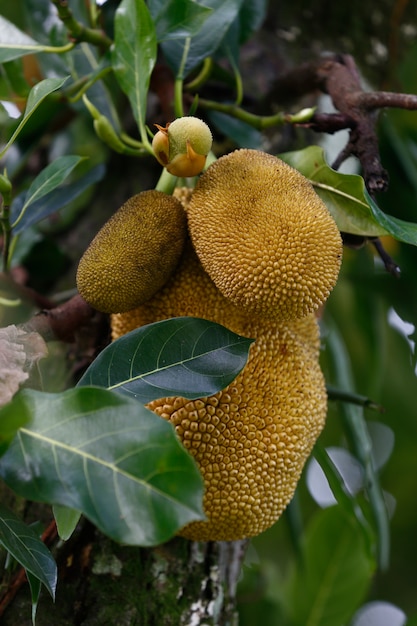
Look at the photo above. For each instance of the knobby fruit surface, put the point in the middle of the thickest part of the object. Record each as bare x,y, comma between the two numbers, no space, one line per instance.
134,253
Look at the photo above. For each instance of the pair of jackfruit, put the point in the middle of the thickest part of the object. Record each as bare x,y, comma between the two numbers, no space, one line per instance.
252,247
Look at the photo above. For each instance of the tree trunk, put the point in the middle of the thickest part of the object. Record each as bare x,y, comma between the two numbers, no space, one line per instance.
180,583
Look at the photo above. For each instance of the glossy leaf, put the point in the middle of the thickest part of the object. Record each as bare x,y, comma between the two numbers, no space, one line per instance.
28,549
334,574
37,94
208,39
134,54
343,194
176,19
183,356
106,456
53,200
14,43
400,229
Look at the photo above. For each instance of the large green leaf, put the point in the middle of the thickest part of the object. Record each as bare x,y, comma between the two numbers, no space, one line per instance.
176,19
134,54
29,551
327,586
343,194
37,94
183,356
107,456
207,40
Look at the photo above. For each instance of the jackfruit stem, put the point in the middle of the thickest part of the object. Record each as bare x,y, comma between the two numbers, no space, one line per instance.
167,182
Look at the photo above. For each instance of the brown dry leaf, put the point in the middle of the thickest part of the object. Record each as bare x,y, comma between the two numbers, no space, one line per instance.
20,351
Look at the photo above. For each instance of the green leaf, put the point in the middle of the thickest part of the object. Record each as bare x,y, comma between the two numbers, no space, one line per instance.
183,356
54,200
9,425
400,229
134,55
35,592
108,457
49,179
25,546
66,520
177,19
334,575
37,94
359,438
207,40
343,194
345,500
14,43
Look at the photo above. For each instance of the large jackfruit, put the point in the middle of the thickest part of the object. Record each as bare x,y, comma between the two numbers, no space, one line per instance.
250,440
262,256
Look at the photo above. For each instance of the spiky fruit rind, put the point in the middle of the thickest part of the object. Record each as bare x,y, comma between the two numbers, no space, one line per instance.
134,253
264,236
252,439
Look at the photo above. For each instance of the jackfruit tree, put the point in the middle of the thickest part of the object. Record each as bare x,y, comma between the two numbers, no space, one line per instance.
207,365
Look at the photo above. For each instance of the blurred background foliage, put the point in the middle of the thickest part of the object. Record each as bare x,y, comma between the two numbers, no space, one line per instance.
372,314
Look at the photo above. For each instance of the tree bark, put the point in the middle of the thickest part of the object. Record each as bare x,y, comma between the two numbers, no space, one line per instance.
180,583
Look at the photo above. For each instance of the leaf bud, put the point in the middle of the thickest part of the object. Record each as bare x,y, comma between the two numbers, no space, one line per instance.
182,146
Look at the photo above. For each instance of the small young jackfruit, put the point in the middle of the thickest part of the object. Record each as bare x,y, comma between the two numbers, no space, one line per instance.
134,253
252,439
264,236
183,145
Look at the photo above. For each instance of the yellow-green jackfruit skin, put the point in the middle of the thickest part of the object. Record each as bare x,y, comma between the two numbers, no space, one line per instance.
134,253
264,236
252,439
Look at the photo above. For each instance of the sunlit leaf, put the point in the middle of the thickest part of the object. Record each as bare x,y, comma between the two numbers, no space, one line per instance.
343,194
134,53
334,574
106,456
29,551
53,200
183,356
37,94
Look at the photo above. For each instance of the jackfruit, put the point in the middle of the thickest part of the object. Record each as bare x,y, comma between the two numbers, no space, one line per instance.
134,253
250,440
264,236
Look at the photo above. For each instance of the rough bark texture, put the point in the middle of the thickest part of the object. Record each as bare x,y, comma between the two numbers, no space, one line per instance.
180,583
